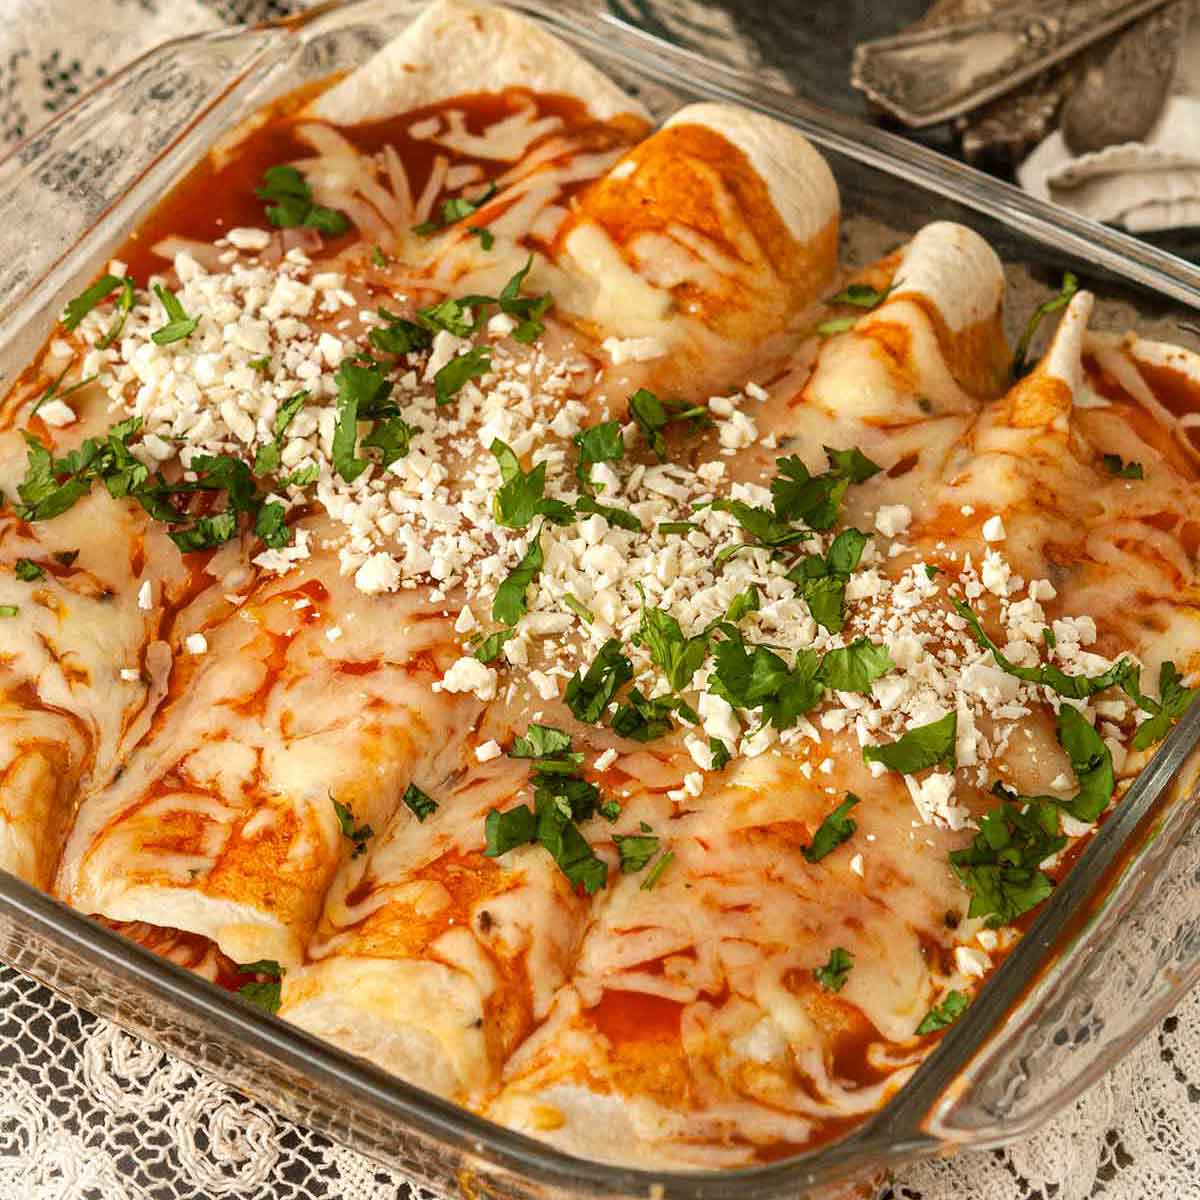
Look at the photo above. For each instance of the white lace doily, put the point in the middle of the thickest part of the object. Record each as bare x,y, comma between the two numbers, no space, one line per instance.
89,1113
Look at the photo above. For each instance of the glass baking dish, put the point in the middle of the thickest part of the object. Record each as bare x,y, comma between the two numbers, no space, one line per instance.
1113,950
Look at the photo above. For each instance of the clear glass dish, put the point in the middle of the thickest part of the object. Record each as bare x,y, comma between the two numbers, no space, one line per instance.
1113,950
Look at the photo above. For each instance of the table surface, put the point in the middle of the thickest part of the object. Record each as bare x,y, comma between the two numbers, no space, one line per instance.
90,1113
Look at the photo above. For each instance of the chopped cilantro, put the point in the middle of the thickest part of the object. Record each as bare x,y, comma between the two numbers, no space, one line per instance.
52,392
720,753
419,803
1020,362
836,325
504,831
207,532
179,325
455,209
121,310
855,667
527,310
358,834
932,572
652,416
1091,760
392,438
744,602
550,748
291,203
644,720
678,657
610,810
1002,866
363,392
519,498
267,460
28,571
944,1014
621,517
1123,470
1174,700
449,381
489,649
261,365
816,499
753,677
677,526
636,850
1074,687
597,443
580,609
925,746
9,610
822,580
832,976
510,600
271,527
399,336
81,305
262,994
378,258
862,295
761,523
834,830
487,239
664,861
589,693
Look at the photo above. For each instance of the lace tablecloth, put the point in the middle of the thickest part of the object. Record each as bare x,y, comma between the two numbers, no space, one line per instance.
89,1113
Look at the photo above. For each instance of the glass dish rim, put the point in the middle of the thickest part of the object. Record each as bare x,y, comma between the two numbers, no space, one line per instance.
885,1142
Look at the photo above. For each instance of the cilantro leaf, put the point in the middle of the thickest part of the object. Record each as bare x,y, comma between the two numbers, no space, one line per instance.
837,828
568,847
81,305
121,310
179,325
832,976
1123,470
1091,760
28,571
271,527
487,239
489,649
620,517
267,460
527,310
580,609
644,720
925,746
761,523
550,748
1174,700
1020,362
207,532
292,203
855,667
509,603
822,581
758,677
589,694
636,850
678,657
946,1013
652,416
862,295
837,325
816,499
359,835
262,994
1002,866
9,610
1074,687
399,336
720,753
503,831
392,438
449,381
419,803
597,443
519,498
664,861
455,209
744,602
362,392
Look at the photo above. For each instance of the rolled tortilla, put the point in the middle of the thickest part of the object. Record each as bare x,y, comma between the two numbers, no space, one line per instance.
223,822
455,48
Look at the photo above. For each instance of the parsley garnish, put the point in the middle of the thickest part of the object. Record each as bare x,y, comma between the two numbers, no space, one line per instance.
1020,362
450,380
261,365
519,498
270,525
580,609
510,600
944,1014
264,995
589,694
419,803
1174,700
1123,470
926,746
677,526
28,571
9,610
1075,687
834,830
832,976
179,325
291,203
636,850
392,438
359,835
1002,866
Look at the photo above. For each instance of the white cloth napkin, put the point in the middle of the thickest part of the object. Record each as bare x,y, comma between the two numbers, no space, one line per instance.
1145,186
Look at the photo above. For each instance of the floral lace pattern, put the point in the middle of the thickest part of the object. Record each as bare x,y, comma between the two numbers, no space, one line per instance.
88,1112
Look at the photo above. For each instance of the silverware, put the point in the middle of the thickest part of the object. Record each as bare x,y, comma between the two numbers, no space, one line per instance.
930,76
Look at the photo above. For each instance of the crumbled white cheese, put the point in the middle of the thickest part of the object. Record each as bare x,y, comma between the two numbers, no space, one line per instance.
893,519
623,350
145,596
487,751
196,643
993,529
468,674
606,760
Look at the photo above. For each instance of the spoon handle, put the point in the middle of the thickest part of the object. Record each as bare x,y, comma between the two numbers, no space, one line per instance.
930,76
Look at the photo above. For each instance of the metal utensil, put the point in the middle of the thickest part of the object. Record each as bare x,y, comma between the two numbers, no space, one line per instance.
927,77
